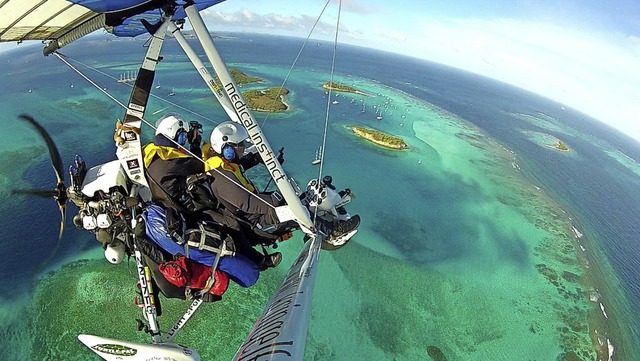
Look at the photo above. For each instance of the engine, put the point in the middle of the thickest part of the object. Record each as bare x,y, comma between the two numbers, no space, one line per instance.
100,193
323,196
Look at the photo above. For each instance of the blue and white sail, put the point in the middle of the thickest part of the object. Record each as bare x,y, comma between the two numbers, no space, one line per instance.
63,21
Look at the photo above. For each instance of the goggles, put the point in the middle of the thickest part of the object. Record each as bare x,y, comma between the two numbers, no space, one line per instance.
243,144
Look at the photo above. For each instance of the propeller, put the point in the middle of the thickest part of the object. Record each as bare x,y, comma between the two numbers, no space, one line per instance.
59,193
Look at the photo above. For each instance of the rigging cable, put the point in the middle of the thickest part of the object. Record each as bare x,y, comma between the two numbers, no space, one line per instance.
295,61
62,58
114,78
333,67
328,108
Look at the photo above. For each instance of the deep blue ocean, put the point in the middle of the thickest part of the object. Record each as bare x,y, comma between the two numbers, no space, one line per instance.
602,194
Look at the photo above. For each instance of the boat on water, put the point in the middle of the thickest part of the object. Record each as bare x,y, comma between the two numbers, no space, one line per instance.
173,92
127,77
318,157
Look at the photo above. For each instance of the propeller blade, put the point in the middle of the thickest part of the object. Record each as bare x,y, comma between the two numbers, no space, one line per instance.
35,192
56,160
58,243
51,255
63,214
60,192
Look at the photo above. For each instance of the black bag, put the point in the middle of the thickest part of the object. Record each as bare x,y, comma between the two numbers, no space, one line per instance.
199,193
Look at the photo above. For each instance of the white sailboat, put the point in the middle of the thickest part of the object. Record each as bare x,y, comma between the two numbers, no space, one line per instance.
173,92
318,157
127,77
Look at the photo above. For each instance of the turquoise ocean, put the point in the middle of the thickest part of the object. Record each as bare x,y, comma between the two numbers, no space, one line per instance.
482,241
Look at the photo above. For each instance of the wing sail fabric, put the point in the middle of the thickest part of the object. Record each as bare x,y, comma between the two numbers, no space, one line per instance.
64,21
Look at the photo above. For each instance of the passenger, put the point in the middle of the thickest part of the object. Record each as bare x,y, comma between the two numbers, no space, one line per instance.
238,194
168,166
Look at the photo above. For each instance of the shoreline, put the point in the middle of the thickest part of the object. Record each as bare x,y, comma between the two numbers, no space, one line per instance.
372,136
606,308
604,331
263,98
345,90
592,326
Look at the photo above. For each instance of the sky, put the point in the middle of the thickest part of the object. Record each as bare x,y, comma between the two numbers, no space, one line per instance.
583,54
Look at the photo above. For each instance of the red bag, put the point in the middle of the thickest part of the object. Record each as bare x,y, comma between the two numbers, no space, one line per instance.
176,271
185,272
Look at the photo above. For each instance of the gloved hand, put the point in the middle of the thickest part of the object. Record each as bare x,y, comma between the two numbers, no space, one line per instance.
281,155
194,135
173,224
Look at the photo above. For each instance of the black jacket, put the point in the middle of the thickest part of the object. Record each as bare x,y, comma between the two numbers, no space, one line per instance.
253,206
168,178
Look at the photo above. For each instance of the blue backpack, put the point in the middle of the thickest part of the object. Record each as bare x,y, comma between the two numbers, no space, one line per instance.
241,270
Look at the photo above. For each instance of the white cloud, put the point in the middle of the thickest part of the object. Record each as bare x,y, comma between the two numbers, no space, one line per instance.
589,72
595,73
391,34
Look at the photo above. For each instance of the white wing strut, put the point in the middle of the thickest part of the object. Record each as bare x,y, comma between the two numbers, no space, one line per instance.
281,331
247,119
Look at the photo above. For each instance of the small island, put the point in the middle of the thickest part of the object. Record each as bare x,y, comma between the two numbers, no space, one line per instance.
242,78
341,88
546,140
561,146
380,138
270,100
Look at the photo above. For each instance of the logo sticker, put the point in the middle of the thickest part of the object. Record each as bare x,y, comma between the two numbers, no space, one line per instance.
130,136
133,164
115,349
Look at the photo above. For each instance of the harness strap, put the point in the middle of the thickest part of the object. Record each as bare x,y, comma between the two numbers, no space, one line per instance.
212,280
201,243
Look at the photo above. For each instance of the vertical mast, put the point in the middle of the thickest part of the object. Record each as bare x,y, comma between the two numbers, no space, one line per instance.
129,147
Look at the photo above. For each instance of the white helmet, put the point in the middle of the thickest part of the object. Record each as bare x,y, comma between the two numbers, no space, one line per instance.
172,126
114,253
227,133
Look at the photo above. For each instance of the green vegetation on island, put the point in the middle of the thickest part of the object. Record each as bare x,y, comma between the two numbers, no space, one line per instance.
380,138
341,88
242,78
270,100
561,146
